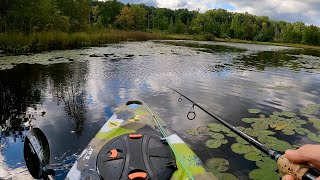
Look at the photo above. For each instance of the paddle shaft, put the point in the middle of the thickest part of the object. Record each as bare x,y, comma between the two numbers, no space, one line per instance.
285,166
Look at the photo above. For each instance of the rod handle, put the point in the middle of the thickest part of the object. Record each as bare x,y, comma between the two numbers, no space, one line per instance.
298,171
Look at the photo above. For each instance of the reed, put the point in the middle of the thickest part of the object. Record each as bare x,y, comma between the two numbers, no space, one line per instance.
19,43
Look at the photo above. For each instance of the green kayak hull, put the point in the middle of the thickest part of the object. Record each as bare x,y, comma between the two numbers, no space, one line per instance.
125,120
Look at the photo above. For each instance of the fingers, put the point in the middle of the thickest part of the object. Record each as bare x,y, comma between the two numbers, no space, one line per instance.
288,177
305,154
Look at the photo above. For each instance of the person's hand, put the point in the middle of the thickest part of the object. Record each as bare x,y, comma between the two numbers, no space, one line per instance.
307,154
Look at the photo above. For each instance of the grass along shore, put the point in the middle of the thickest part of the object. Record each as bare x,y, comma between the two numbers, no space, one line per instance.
19,43
205,38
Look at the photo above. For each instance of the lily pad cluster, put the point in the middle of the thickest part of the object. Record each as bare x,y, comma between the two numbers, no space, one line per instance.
214,131
311,109
287,123
315,122
263,128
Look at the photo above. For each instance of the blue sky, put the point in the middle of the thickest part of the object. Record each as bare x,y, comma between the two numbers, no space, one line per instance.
307,11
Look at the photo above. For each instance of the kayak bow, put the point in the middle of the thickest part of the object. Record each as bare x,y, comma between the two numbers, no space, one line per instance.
136,144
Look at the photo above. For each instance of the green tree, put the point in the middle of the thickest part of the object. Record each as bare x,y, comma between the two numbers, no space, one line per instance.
311,35
125,18
109,10
139,17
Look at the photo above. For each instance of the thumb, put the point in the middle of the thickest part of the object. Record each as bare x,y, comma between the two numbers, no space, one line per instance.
305,154
288,177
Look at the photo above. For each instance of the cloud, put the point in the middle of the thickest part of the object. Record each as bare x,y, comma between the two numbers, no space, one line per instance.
307,11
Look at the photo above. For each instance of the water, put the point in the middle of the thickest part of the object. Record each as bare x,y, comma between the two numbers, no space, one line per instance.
71,94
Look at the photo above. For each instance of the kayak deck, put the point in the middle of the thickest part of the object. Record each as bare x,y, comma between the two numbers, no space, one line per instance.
135,117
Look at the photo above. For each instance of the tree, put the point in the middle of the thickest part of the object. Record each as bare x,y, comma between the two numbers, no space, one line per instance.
125,18
139,17
109,10
311,35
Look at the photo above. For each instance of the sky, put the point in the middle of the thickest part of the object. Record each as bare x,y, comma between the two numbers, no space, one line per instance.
307,11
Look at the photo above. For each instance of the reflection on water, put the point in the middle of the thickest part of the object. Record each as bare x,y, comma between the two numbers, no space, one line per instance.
71,101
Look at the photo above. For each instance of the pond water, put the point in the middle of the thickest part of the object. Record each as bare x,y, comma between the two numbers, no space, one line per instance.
70,94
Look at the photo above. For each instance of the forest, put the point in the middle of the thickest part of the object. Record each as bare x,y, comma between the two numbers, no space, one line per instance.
24,20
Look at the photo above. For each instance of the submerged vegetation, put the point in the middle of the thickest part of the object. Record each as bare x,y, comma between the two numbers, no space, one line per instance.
37,25
266,130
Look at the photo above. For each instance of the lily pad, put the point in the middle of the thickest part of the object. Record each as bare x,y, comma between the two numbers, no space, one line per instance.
301,122
311,109
250,120
288,132
263,174
300,131
314,137
214,125
278,126
314,120
253,156
202,129
277,113
251,132
213,143
262,116
224,141
241,128
217,136
279,145
267,163
240,140
288,114
218,164
193,132
231,134
228,176
254,111
266,132
260,126
240,148
267,139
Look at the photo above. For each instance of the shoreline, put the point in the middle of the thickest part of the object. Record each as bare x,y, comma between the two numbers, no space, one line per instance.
202,38
20,44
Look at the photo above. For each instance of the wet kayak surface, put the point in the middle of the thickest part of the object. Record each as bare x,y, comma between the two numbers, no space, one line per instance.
70,94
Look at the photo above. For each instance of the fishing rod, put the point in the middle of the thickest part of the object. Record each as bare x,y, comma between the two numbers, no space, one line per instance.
299,171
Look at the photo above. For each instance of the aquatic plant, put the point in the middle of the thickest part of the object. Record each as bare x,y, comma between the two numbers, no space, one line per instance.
217,136
192,132
240,148
228,176
19,43
316,122
267,163
218,164
213,143
254,111
253,156
263,174
264,128
311,109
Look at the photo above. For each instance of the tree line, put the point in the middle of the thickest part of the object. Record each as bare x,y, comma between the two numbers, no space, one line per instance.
29,16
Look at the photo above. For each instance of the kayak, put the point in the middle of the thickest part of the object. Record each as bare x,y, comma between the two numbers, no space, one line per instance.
136,144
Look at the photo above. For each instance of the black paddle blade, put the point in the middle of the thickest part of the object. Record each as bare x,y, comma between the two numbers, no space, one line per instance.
36,152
